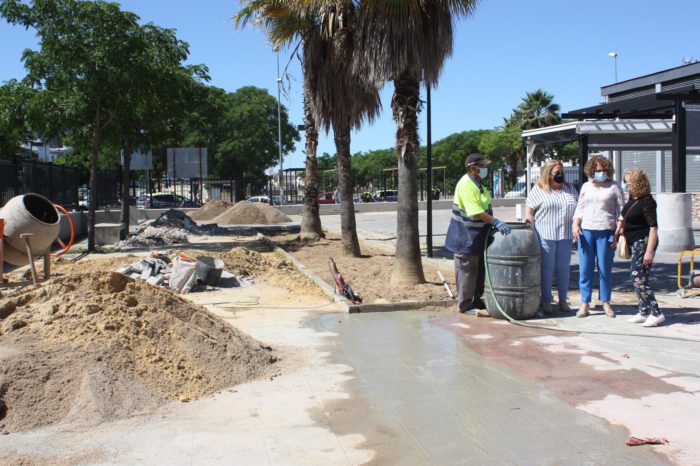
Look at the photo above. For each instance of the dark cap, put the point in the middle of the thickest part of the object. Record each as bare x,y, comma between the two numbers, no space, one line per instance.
476,159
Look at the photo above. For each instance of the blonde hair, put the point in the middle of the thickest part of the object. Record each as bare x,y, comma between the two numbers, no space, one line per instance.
543,182
638,184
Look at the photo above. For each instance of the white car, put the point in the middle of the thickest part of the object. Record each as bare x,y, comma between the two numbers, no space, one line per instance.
264,199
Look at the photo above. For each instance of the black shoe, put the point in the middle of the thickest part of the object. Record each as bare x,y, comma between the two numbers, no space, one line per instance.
470,311
479,303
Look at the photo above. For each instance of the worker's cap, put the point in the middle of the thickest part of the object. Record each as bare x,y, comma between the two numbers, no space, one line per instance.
476,159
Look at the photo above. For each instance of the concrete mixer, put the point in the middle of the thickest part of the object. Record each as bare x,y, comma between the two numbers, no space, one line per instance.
30,226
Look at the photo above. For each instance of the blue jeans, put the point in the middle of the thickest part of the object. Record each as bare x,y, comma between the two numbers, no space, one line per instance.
556,259
594,246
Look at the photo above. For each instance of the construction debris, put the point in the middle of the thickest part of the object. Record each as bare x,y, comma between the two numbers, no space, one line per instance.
181,273
172,227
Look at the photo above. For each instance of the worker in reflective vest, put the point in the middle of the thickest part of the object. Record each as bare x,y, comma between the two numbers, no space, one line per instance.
468,231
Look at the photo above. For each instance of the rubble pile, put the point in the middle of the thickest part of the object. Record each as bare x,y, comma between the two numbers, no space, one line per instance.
210,210
90,347
251,213
172,227
177,219
151,237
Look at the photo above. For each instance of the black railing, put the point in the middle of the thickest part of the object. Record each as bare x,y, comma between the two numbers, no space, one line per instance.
58,183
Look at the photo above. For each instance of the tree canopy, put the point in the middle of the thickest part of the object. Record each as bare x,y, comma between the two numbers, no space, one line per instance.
240,129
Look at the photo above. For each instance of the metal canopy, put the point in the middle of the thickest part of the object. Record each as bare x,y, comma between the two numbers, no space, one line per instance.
607,135
658,105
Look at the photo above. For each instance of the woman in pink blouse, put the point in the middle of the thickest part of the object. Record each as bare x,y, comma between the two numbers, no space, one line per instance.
596,221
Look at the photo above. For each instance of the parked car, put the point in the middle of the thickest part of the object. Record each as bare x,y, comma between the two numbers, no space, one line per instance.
326,198
387,195
164,201
263,199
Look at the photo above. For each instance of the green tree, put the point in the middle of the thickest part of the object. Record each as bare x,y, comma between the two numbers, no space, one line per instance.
87,64
15,102
453,150
504,146
158,100
406,42
240,129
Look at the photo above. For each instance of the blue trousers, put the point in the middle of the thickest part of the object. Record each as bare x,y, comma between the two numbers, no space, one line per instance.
594,246
556,259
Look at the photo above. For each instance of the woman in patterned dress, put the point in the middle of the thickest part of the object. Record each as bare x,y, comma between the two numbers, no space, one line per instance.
640,230
550,208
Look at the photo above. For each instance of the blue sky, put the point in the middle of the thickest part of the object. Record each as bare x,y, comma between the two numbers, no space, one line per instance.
507,48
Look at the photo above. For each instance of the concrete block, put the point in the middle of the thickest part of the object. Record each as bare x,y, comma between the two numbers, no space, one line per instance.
107,233
674,216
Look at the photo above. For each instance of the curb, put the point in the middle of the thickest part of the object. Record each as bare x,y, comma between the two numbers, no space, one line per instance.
353,308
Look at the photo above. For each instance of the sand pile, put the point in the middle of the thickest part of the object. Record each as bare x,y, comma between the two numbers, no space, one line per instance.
251,213
248,263
210,210
89,347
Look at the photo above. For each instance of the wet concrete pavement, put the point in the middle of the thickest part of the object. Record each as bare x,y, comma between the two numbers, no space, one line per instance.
631,382
448,403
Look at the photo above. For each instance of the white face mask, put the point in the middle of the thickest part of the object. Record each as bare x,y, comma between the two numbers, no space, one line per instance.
483,172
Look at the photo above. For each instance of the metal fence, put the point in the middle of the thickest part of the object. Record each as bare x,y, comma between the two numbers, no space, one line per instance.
58,183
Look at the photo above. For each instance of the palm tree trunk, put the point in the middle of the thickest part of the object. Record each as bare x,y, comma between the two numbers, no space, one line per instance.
348,231
408,269
310,219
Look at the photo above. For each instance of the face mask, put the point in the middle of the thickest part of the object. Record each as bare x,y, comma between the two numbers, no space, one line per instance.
483,172
559,177
600,176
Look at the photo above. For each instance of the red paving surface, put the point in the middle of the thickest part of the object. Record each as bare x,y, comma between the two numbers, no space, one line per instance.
562,373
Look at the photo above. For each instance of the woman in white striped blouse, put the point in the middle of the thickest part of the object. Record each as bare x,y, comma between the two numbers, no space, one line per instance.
550,207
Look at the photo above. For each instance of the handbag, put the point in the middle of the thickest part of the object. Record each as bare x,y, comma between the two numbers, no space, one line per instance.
623,250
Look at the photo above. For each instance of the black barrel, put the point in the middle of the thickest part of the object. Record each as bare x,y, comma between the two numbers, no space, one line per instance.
514,267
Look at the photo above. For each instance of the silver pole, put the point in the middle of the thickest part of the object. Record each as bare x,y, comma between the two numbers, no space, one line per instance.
279,125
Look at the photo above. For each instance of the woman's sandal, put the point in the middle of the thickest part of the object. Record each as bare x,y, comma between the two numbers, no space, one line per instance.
609,311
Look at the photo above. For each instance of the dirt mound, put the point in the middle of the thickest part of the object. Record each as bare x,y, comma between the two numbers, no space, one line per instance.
210,210
251,213
88,347
246,262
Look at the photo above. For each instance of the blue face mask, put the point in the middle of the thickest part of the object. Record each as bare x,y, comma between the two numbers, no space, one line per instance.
601,176
483,171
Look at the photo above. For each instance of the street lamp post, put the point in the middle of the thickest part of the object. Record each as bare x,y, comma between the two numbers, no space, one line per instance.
614,55
279,124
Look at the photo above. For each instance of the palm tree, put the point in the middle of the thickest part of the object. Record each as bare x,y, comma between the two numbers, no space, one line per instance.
406,42
284,22
340,99
326,29
536,110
